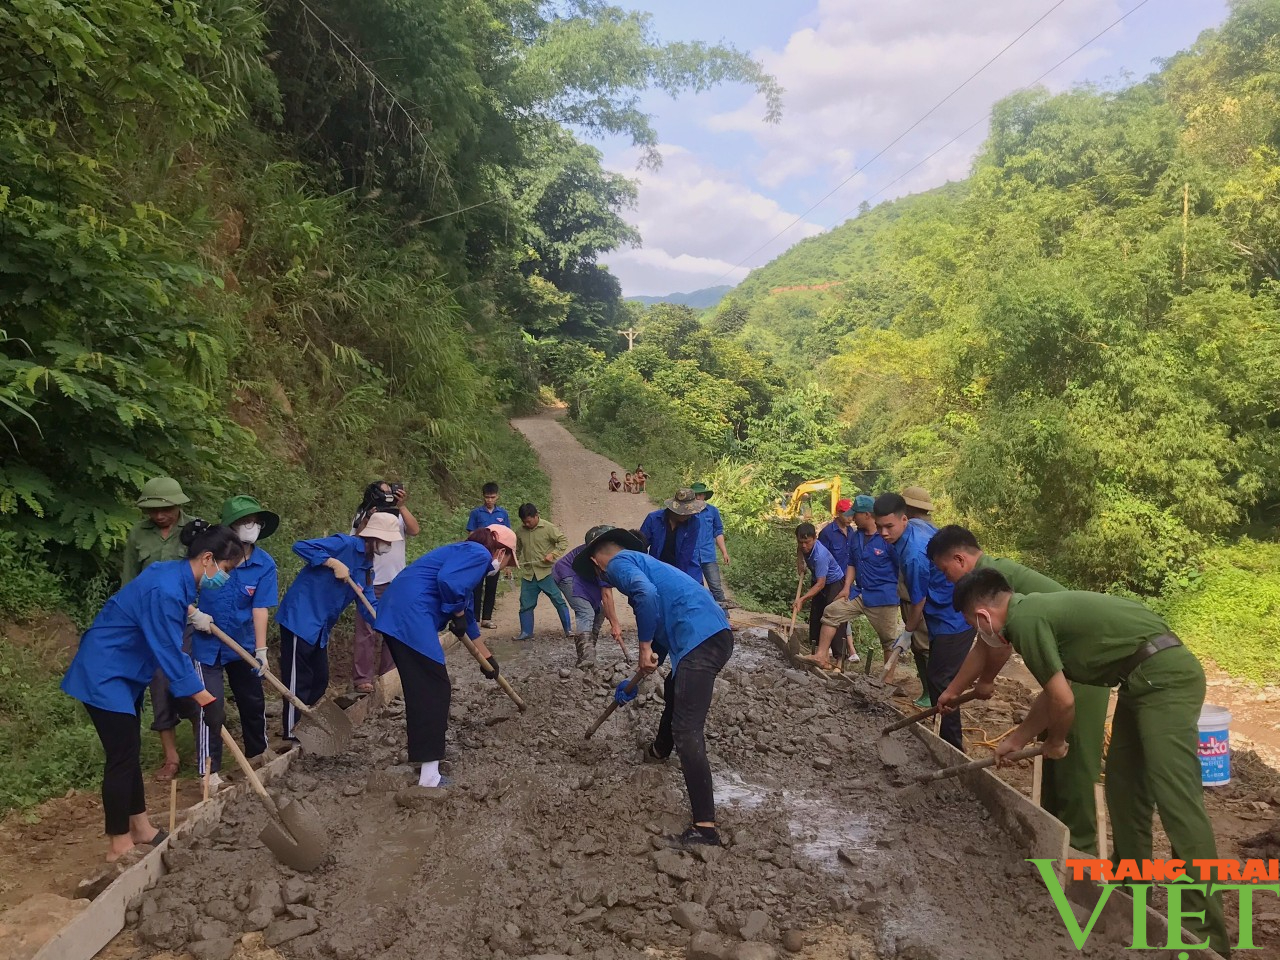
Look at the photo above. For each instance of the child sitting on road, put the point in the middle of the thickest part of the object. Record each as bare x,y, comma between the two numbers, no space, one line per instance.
629,486
614,483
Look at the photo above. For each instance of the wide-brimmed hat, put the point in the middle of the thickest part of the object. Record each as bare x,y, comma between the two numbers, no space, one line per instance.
627,539
160,492
239,507
382,526
862,504
702,488
918,497
685,503
505,536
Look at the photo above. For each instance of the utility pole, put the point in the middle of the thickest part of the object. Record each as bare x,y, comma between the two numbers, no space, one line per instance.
631,335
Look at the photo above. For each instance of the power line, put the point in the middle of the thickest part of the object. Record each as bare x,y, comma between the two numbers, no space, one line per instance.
989,115
885,149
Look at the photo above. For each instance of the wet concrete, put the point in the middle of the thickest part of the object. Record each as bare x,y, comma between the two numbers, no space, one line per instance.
547,844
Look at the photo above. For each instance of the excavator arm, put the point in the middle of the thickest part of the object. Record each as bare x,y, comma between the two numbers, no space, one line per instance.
792,510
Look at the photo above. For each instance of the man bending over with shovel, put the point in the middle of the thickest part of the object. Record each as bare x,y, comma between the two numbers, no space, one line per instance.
1074,636
675,616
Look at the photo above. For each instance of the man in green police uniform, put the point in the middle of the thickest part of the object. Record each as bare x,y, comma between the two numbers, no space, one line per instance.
1152,764
1067,791
158,536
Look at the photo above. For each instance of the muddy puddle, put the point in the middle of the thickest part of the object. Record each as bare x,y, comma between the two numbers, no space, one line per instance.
548,845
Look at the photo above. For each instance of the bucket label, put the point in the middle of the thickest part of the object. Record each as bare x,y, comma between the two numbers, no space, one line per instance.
1215,756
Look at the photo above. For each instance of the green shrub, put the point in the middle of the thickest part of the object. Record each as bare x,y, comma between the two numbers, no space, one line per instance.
27,585
1230,611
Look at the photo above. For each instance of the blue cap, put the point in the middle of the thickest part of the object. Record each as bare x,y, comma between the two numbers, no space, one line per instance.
861,504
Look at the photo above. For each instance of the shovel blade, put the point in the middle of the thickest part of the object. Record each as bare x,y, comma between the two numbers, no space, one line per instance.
325,731
300,840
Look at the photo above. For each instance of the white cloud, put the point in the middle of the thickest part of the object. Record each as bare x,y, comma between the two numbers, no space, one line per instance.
865,71
692,215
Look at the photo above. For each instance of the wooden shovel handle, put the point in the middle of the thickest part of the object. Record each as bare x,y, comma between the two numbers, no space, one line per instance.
229,742
926,714
267,675
890,664
955,771
613,705
502,681
373,614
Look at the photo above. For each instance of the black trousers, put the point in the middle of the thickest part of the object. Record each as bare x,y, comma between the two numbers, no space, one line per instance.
817,607
687,692
123,794
246,687
485,595
304,669
946,654
427,693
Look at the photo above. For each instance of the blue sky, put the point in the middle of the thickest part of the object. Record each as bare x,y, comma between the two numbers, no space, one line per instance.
857,73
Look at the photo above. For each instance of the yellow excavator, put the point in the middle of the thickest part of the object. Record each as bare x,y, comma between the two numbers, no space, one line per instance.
796,506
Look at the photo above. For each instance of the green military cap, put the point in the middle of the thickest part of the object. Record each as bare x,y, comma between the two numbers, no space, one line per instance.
239,507
160,492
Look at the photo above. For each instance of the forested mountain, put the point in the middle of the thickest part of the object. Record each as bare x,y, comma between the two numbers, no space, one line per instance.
282,248
698,299
1075,348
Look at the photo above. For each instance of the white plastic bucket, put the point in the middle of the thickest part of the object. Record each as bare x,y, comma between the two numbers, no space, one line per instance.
1215,745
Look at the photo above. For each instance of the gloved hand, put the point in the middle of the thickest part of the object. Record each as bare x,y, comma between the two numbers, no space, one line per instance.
621,696
903,643
458,626
490,673
340,570
200,620
261,654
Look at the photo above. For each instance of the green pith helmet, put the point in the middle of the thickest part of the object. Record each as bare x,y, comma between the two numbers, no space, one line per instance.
161,492
596,531
239,507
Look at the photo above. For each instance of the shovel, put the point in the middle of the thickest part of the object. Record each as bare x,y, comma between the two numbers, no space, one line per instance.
793,648
613,705
373,614
323,729
502,681
296,834
947,772
890,751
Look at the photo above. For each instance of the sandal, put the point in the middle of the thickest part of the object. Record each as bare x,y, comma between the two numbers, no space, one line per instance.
168,770
160,837
364,688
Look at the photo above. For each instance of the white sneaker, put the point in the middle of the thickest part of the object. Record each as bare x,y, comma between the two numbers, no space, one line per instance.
215,782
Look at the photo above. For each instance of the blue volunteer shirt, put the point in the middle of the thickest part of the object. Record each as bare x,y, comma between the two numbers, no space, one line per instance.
822,564
254,585
925,581
875,574
712,526
316,598
421,600
654,530
839,543
673,613
482,516
138,631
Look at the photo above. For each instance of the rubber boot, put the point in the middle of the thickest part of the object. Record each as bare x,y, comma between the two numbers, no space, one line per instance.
526,625
565,621
580,647
922,668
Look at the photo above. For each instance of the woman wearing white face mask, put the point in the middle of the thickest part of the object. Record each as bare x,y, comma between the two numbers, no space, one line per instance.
241,609
433,593
316,598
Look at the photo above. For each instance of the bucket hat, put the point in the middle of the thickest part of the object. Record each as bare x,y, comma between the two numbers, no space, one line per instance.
918,497
382,526
703,489
160,492
505,536
238,507
627,539
685,503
